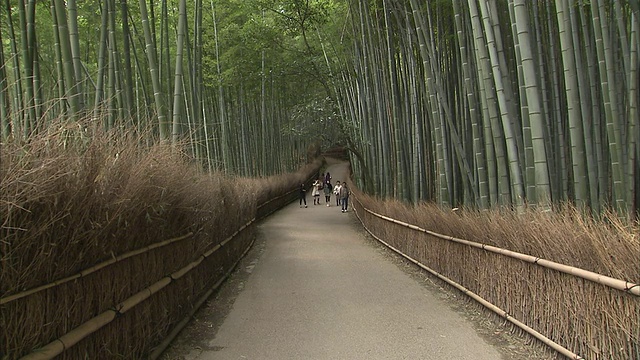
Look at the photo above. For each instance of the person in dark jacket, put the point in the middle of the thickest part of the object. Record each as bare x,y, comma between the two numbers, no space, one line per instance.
303,195
327,193
327,178
344,196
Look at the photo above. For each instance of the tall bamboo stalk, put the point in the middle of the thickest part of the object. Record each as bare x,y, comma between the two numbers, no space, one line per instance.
150,50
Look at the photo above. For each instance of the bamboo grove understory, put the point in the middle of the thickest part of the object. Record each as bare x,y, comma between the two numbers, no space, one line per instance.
463,102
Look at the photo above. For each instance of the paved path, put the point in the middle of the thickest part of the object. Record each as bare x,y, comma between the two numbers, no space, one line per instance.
320,290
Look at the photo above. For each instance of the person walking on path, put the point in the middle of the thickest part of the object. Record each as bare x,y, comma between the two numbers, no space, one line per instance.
303,195
316,192
327,178
336,192
327,193
344,196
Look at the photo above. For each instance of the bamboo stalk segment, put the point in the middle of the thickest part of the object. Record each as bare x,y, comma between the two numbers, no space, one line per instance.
212,250
180,273
139,297
71,338
89,327
622,285
49,351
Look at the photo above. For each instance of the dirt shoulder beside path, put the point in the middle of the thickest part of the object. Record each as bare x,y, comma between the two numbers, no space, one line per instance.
314,286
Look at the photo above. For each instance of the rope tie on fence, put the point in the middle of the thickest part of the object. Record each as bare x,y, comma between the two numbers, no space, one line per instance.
536,260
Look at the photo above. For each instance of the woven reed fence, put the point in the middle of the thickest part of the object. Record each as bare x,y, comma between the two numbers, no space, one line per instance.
596,317
131,305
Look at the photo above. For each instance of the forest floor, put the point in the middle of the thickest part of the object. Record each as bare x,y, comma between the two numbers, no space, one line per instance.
316,286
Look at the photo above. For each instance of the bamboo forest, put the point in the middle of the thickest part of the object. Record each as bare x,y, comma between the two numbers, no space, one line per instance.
496,103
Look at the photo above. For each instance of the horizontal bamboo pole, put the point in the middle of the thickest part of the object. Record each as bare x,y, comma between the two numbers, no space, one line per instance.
158,350
552,344
622,285
69,339
93,269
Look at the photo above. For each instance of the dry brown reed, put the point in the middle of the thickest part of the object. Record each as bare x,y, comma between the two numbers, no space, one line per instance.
587,318
70,201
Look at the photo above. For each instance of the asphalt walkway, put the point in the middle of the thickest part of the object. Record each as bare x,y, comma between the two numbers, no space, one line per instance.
317,289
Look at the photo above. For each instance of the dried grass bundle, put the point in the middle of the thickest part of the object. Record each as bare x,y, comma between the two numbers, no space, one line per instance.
70,201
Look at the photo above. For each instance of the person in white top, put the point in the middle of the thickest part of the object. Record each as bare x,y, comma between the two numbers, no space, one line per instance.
336,192
316,192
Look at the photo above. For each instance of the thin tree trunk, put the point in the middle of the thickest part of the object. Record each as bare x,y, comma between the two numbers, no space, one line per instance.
178,95
474,116
576,132
5,106
102,50
153,69
127,82
27,61
512,150
614,136
74,40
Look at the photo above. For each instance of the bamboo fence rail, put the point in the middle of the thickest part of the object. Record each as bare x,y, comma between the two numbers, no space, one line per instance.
618,284
59,345
500,312
592,331
158,350
92,269
69,339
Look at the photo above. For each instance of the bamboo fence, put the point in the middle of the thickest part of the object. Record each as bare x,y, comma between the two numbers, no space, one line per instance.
564,307
143,322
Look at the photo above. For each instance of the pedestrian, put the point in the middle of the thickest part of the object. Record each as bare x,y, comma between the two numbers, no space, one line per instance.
327,178
316,192
344,196
303,195
336,192
327,193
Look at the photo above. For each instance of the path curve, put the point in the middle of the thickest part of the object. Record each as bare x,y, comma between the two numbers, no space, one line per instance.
315,288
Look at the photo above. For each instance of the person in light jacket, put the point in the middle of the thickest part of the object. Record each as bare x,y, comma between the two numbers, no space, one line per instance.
316,192
336,192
